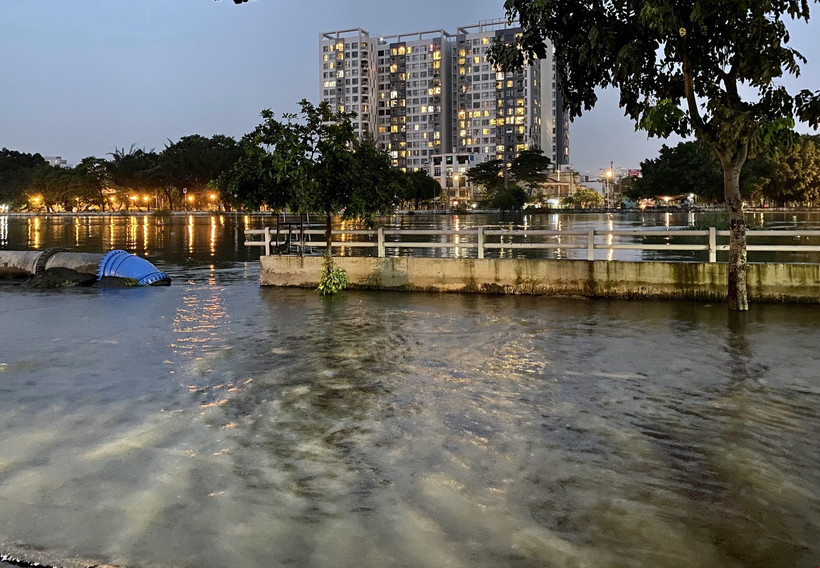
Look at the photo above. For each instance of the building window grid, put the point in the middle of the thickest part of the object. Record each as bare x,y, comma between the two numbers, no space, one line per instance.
479,96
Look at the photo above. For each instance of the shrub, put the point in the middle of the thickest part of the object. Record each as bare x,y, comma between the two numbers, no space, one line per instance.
333,278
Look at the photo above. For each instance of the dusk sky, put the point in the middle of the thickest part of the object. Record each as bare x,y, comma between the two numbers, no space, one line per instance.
83,77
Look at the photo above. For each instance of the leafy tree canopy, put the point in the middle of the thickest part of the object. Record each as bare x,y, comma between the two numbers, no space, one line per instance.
689,167
489,175
420,186
313,163
530,168
695,66
16,172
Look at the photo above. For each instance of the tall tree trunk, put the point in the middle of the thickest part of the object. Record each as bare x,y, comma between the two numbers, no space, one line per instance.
732,164
328,235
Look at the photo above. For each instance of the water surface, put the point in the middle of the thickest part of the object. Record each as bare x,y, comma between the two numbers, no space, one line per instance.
217,424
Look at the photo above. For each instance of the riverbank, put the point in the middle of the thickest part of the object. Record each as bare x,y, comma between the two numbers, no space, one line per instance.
771,283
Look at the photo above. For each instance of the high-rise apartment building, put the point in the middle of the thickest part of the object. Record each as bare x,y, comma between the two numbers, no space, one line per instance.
432,93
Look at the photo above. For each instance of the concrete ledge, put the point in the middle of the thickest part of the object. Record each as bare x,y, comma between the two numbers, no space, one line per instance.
793,283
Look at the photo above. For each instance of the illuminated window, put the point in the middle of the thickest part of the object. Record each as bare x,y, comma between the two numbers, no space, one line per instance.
485,40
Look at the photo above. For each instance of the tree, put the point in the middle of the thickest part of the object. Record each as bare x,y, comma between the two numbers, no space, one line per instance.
511,197
134,170
313,163
681,67
419,186
92,179
376,186
796,174
193,162
583,198
490,175
16,173
686,168
530,167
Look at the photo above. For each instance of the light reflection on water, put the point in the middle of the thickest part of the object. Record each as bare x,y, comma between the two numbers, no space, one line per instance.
216,424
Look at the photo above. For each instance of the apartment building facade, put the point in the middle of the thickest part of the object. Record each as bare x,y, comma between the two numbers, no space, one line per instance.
433,93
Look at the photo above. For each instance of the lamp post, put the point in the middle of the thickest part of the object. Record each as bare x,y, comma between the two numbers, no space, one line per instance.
608,176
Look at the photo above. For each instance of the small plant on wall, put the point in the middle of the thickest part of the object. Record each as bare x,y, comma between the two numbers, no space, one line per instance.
333,278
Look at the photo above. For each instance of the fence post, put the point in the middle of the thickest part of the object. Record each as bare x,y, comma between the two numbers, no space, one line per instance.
591,244
380,238
712,244
480,240
267,241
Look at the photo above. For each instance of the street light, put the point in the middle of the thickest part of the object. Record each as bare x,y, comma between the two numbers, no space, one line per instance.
609,173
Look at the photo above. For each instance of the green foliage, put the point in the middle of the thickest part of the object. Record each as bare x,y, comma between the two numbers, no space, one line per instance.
689,167
489,175
333,279
530,168
193,162
419,186
510,198
16,171
313,163
695,67
794,175
584,198
783,174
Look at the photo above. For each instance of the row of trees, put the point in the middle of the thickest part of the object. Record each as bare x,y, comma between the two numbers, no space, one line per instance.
219,172
786,175
511,187
133,177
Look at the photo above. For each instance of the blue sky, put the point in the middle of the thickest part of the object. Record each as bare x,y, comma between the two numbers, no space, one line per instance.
83,77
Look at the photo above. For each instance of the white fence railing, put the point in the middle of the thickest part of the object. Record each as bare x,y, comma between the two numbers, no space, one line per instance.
483,239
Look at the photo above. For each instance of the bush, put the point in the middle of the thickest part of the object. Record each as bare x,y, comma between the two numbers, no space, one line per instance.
333,279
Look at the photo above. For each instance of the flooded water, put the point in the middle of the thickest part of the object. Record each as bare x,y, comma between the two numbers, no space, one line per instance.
213,423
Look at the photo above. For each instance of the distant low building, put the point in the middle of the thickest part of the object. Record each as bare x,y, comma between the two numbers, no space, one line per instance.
57,161
450,170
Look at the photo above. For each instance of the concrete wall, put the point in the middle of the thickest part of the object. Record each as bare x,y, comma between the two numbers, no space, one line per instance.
798,283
